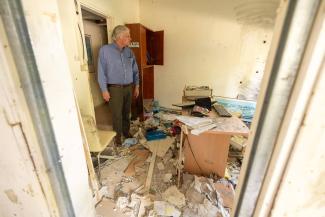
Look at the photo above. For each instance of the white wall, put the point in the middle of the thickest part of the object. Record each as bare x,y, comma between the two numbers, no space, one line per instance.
121,12
204,45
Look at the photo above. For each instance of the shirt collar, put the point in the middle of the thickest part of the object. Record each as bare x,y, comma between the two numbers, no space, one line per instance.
117,47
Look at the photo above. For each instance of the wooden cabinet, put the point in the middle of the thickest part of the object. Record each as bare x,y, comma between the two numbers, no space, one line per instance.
147,46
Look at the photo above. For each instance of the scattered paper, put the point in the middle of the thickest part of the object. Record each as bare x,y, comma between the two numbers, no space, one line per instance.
200,130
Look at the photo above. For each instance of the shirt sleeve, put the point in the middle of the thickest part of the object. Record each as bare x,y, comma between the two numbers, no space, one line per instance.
102,77
135,70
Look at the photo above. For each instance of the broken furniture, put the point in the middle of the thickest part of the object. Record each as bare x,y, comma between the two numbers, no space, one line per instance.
98,140
207,152
148,48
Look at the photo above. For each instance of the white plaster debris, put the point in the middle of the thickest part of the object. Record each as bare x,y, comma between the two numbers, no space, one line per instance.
122,202
160,166
196,197
174,196
167,177
163,208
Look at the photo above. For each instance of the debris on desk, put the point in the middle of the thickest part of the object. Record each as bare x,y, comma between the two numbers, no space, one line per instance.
195,122
200,130
199,111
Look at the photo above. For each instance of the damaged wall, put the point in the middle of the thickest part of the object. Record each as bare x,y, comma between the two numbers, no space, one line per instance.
24,186
206,43
44,28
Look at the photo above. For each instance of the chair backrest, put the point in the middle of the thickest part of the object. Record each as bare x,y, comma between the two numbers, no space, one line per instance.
98,140
91,132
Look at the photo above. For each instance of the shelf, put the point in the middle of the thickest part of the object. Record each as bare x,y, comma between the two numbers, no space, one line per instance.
147,66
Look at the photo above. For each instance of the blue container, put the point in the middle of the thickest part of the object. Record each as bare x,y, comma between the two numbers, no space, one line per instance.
155,135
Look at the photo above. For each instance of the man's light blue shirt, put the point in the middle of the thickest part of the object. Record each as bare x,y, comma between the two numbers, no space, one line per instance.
116,66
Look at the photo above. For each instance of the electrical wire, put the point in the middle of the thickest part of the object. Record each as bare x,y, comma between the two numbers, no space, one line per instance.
189,144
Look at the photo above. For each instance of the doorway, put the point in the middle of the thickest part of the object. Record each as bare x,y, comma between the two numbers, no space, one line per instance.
95,36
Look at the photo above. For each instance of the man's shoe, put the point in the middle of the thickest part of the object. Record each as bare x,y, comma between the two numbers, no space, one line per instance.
118,140
127,135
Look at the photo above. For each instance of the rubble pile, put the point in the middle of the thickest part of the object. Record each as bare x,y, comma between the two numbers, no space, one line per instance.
127,174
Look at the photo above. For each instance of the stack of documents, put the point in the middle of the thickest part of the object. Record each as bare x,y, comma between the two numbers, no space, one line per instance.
198,125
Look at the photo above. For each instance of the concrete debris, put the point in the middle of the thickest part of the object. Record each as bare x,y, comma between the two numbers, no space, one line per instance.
122,202
163,208
139,135
143,141
124,177
146,201
167,177
203,199
226,191
163,145
238,142
174,196
167,156
160,166
129,206
112,175
233,169
194,196
151,123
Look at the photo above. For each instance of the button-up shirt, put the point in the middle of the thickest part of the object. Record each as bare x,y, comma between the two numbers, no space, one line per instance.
116,66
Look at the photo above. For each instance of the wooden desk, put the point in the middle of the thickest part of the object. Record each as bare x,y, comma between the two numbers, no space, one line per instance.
207,153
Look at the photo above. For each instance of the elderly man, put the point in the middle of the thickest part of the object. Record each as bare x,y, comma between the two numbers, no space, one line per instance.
117,73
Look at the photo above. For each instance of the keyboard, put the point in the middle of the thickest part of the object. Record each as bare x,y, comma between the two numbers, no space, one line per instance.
222,112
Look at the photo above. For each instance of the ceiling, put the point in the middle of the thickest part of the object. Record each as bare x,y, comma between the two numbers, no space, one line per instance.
256,12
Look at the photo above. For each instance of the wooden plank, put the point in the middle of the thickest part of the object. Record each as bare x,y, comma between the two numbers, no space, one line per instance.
150,171
179,168
141,156
162,146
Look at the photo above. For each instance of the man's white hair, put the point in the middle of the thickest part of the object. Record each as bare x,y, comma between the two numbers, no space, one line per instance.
118,30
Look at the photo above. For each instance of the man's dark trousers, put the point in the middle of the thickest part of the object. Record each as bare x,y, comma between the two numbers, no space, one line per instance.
120,106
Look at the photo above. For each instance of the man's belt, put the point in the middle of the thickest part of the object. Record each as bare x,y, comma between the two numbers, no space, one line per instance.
119,85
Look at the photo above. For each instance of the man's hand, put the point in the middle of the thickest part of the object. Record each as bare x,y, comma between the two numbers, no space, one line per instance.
136,91
106,96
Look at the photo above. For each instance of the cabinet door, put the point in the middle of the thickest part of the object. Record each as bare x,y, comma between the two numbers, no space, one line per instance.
148,83
143,45
158,47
